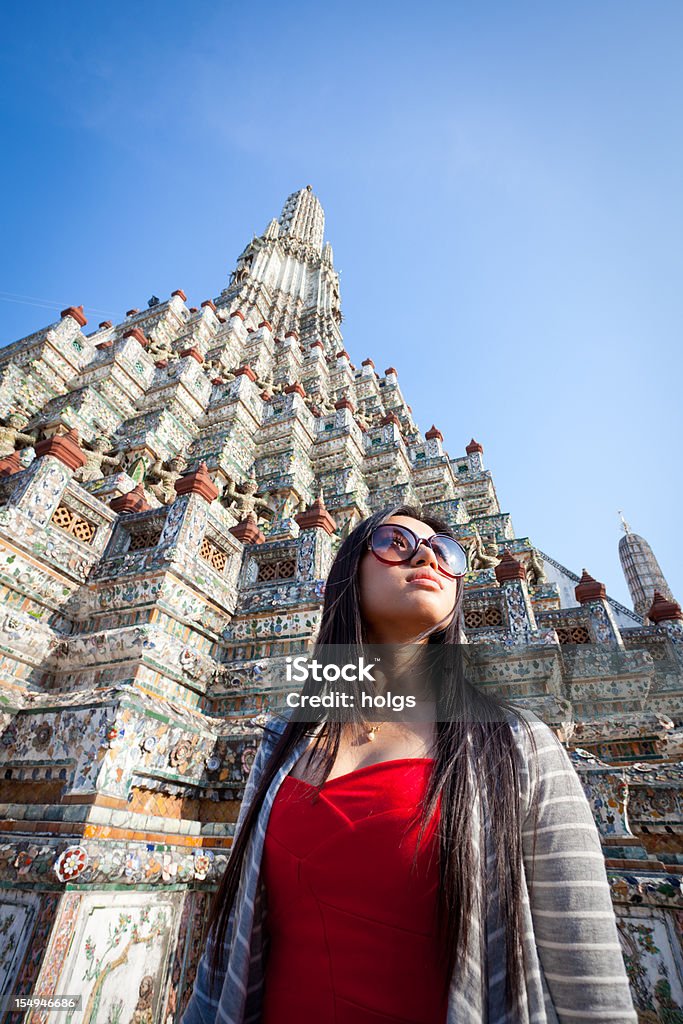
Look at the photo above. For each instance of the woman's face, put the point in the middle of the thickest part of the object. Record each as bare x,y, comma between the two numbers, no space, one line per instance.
397,602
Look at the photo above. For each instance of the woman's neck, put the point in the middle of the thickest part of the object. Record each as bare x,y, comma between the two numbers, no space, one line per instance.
404,669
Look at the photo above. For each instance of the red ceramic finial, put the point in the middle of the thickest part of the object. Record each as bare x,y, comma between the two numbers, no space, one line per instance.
65,447
76,313
474,446
589,589
345,403
194,352
316,517
136,333
198,482
133,501
245,371
509,569
180,293
11,465
390,417
247,531
433,433
663,610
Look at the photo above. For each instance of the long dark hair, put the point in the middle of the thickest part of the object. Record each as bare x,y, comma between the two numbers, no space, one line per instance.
474,745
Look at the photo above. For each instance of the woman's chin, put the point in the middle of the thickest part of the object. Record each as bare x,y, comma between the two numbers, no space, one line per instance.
422,600
423,616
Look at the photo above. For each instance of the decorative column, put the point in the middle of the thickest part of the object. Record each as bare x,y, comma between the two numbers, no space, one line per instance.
667,617
592,597
294,402
41,487
434,443
187,516
475,454
511,576
344,410
136,333
392,429
315,541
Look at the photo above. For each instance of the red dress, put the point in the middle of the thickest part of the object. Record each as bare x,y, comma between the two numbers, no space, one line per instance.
352,930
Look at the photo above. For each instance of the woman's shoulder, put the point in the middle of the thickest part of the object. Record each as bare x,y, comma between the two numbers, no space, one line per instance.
536,740
536,725
277,721
273,724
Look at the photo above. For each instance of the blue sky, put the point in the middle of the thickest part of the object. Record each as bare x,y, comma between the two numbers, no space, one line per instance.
502,188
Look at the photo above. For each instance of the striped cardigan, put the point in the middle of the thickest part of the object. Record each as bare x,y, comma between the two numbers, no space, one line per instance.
575,970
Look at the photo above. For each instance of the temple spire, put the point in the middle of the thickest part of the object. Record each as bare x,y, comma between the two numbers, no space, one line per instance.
286,278
642,571
302,218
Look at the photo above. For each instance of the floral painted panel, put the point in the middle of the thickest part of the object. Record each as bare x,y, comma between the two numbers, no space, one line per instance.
118,957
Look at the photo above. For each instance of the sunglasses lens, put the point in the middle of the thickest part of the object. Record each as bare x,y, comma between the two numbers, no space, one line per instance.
450,556
392,543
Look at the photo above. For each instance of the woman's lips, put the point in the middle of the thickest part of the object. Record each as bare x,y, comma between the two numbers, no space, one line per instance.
425,581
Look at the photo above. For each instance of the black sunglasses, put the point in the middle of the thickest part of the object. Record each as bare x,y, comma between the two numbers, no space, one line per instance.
394,544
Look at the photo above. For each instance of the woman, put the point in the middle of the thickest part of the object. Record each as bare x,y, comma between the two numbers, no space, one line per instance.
336,907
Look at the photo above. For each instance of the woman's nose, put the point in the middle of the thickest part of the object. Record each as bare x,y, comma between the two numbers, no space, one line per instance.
424,555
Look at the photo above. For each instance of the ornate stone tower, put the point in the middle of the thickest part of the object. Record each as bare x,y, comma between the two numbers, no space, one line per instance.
173,489
641,570
287,277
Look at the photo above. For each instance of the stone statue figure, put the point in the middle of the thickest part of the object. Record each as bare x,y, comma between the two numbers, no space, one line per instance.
269,385
311,401
244,500
161,348
12,435
214,367
481,557
163,480
535,571
243,267
327,405
96,460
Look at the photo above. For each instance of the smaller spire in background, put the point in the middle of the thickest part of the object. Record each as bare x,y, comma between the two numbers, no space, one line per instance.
642,571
